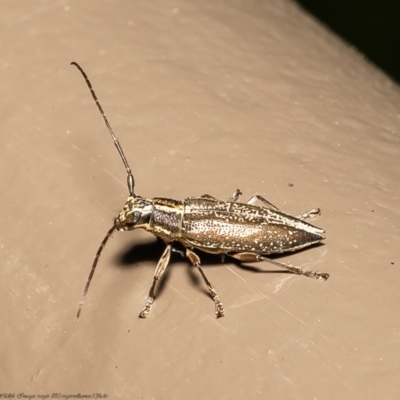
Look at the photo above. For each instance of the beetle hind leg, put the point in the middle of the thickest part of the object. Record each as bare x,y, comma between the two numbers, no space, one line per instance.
195,260
160,269
251,257
309,214
253,200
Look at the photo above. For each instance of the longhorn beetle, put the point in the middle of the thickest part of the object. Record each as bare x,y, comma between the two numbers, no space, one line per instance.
244,231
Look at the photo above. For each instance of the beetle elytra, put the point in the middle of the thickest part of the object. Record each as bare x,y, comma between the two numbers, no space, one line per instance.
244,231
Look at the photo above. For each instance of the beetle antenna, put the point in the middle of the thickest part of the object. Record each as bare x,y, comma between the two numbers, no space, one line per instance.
96,259
130,179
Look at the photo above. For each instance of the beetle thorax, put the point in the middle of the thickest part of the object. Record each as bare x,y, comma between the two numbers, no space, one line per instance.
136,213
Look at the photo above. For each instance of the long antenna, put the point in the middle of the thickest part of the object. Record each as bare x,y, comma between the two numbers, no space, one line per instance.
96,259
130,179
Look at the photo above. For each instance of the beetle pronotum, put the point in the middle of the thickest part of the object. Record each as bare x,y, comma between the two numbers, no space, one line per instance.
244,231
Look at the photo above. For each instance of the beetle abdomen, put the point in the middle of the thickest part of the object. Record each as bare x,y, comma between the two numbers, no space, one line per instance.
224,227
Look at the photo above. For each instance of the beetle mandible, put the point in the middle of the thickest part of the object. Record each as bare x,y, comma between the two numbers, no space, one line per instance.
244,231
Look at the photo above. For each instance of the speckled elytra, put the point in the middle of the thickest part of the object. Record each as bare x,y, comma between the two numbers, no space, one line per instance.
244,231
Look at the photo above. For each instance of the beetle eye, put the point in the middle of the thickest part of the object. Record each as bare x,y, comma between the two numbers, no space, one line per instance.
127,222
132,219
135,217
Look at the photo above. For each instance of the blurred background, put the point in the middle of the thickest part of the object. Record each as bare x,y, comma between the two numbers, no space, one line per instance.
372,27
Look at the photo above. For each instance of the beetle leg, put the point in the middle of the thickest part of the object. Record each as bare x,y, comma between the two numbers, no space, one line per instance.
195,260
235,196
253,200
160,269
249,257
178,251
309,214
207,196
231,199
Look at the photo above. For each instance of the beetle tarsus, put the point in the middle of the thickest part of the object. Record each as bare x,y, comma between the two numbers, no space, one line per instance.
235,196
147,308
195,260
219,308
309,214
316,275
149,303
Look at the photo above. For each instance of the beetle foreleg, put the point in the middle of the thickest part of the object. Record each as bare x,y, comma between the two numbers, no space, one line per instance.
160,269
250,257
195,260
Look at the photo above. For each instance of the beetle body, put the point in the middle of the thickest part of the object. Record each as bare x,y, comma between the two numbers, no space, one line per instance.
218,227
244,231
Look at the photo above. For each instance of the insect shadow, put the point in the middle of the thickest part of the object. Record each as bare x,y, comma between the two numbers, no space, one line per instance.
150,251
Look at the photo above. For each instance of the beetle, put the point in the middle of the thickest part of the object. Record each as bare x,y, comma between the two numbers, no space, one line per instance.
244,231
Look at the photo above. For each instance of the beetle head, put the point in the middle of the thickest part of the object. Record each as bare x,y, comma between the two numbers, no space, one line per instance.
135,214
